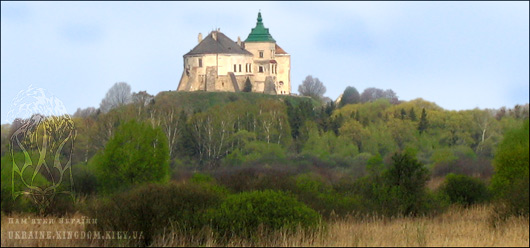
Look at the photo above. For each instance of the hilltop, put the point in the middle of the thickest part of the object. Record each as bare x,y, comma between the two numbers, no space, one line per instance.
202,100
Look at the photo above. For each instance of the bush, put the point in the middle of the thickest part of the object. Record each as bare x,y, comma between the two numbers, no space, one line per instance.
257,177
137,153
464,190
152,208
312,190
85,181
471,167
243,214
256,151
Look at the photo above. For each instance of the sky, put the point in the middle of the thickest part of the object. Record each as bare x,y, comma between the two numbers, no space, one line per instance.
460,55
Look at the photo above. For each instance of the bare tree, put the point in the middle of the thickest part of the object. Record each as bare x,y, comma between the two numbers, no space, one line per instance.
141,100
119,94
372,94
312,87
85,113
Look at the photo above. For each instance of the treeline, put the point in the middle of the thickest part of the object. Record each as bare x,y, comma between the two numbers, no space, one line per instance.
365,155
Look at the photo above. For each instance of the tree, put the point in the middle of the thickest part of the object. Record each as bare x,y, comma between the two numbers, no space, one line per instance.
142,98
119,94
353,130
403,114
406,180
511,159
350,96
312,87
137,153
85,113
4,138
412,115
248,86
372,94
510,181
422,126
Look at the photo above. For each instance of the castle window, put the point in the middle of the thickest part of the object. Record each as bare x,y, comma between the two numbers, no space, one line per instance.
200,62
239,67
261,54
272,53
261,69
235,68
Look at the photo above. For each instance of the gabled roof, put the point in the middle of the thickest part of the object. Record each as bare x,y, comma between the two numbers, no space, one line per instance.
279,50
259,33
222,44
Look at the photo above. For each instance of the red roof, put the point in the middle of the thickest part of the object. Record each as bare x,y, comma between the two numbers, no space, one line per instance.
279,50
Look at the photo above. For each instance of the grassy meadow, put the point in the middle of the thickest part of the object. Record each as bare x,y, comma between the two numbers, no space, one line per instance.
456,227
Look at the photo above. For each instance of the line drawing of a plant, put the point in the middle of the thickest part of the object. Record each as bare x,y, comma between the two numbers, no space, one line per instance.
44,135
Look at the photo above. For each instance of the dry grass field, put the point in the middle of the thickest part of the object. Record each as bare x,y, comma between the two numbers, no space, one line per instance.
456,227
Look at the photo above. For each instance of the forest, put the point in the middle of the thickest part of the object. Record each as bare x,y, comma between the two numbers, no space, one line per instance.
218,165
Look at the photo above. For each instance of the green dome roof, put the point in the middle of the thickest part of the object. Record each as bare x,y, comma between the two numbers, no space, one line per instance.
259,33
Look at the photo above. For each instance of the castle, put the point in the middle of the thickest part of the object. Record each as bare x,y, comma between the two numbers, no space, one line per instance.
218,63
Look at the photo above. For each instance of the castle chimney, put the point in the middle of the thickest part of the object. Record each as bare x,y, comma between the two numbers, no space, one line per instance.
200,37
214,35
239,41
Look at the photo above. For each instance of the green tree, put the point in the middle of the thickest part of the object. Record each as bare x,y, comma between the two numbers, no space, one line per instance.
405,183
353,130
137,153
403,114
248,86
422,126
350,96
510,181
412,115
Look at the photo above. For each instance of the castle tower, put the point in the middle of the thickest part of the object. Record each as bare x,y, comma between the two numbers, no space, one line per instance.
272,65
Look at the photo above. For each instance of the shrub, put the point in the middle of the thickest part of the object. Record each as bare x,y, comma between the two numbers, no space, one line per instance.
257,177
137,153
313,190
242,214
85,181
153,207
464,190
467,166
